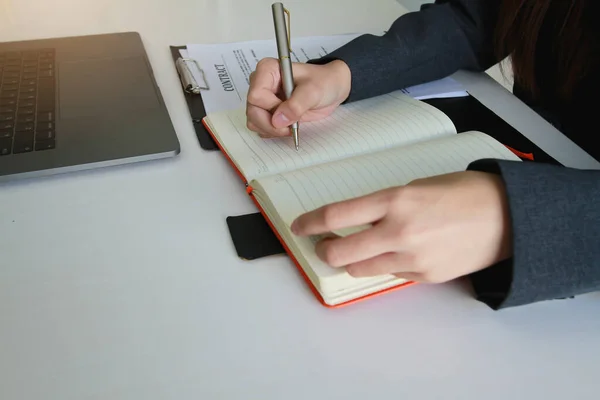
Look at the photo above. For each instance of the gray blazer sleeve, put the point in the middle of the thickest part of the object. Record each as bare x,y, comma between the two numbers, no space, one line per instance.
554,210
421,46
555,217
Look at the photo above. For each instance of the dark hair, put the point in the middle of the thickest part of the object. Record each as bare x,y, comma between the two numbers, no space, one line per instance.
565,29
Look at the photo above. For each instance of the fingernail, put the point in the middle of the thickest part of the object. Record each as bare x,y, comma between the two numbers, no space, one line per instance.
280,120
294,227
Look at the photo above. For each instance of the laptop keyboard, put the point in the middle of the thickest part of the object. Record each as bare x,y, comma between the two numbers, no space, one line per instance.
27,109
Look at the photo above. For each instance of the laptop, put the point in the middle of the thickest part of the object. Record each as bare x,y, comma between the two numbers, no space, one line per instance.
78,103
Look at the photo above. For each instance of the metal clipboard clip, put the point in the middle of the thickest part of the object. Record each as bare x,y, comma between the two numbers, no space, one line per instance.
189,83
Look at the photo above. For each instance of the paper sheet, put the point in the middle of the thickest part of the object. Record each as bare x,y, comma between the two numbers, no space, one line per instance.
227,68
443,88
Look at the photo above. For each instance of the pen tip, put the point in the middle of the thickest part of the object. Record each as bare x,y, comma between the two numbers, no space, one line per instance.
295,135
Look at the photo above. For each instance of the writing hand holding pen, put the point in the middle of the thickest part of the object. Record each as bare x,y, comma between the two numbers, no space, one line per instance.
283,39
319,90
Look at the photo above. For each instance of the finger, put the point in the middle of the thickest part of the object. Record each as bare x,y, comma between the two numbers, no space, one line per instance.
304,98
359,211
388,263
265,84
252,127
410,276
267,75
263,98
354,248
259,121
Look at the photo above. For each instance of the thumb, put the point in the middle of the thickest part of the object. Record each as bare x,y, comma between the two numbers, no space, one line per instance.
304,98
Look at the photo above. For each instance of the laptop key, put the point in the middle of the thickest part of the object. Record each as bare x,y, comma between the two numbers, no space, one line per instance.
28,89
8,117
5,147
12,68
28,82
45,117
26,111
7,102
10,81
30,55
23,146
45,145
44,135
45,105
27,96
26,127
46,73
46,65
26,103
46,86
8,133
45,126
12,74
8,95
7,109
24,136
25,119
7,125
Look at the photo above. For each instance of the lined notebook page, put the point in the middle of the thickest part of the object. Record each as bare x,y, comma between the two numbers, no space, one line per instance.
297,192
356,128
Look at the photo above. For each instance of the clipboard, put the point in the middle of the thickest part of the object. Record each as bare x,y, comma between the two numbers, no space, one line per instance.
193,97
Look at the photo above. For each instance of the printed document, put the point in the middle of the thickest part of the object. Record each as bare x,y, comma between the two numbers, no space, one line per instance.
225,68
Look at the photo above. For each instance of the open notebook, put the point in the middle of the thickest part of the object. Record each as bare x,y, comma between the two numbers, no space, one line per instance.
362,147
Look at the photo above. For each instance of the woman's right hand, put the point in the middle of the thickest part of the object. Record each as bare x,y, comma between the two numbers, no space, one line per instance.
319,90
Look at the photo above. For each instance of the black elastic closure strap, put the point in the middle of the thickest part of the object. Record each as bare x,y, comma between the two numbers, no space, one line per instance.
252,237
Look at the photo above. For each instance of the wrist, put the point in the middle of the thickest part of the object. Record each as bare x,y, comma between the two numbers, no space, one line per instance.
505,249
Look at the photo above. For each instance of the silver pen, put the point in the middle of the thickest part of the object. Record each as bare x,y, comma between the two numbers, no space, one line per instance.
282,37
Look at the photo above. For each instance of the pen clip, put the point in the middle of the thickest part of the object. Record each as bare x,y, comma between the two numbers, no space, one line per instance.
289,35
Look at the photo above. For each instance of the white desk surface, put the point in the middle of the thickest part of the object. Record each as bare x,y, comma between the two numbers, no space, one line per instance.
123,283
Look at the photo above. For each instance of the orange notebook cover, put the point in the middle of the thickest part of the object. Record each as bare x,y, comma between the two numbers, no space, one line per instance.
286,248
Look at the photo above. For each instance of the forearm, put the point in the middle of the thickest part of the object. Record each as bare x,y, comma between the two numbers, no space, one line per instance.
420,47
555,218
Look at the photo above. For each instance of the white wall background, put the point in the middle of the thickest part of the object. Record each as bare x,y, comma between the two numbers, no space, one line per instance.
505,79
413,5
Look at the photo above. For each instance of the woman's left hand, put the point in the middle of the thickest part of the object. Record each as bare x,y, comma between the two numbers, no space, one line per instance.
431,230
